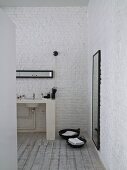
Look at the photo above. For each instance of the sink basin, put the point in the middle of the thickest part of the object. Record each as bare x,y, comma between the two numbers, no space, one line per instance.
32,105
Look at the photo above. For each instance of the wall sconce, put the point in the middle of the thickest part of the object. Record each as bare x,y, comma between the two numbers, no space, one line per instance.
55,53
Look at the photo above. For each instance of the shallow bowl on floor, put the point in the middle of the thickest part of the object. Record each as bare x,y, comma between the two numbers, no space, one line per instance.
83,142
76,134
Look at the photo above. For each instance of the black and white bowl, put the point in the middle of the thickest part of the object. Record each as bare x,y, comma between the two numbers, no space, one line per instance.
69,133
81,141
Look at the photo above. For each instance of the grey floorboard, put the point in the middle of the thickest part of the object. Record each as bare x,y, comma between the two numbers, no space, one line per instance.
63,156
36,153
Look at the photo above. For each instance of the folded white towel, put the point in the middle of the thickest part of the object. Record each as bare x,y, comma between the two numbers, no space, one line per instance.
69,133
75,141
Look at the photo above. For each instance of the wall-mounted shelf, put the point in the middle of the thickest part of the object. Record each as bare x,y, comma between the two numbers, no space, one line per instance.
34,73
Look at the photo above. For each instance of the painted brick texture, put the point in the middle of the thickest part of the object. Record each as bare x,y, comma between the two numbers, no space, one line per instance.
107,32
40,31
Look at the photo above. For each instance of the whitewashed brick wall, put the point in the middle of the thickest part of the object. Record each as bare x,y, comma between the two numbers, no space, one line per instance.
40,31
107,31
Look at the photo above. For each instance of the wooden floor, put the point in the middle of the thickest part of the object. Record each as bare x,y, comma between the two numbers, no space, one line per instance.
36,153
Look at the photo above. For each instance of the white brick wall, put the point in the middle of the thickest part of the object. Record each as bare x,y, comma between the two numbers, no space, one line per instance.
107,32
40,31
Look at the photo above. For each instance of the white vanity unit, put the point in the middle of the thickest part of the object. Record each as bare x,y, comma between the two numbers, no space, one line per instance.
50,113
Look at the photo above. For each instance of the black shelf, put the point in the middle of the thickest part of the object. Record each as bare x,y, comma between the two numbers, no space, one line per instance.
34,73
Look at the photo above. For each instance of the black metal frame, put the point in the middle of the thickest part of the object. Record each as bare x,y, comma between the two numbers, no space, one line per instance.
35,71
99,82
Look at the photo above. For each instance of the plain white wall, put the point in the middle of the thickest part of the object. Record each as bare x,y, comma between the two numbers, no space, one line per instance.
107,32
40,31
43,3
8,143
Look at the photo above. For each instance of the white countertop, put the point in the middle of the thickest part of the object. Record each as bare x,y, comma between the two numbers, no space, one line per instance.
43,100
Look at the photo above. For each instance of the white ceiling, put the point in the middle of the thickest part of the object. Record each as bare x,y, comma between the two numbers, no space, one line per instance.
42,3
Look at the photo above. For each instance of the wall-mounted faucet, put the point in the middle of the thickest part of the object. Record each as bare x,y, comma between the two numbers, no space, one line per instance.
42,95
33,96
21,96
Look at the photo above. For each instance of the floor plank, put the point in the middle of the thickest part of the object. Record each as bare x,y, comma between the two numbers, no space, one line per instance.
25,156
79,160
38,162
47,157
36,153
24,145
63,156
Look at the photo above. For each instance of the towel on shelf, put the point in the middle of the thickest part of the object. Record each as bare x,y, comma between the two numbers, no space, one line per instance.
69,133
75,141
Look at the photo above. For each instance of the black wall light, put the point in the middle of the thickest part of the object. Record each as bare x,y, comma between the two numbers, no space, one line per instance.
55,53
34,73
